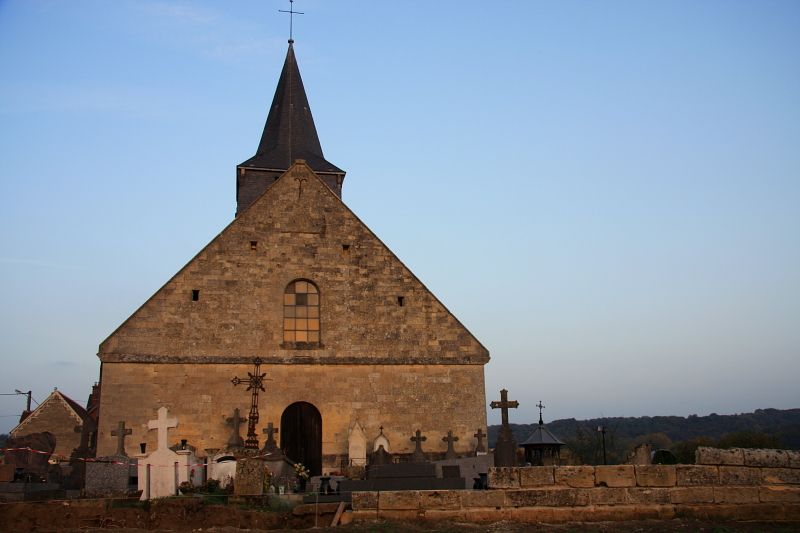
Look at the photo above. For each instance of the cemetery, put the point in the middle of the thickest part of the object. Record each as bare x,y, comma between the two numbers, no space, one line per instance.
260,487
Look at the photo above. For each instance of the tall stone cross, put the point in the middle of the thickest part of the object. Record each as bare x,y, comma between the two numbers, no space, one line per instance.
162,425
235,422
480,435
504,406
255,383
270,431
418,439
450,439
505,450
121,432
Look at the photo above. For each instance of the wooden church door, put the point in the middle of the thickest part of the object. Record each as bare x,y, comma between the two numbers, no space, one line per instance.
301,436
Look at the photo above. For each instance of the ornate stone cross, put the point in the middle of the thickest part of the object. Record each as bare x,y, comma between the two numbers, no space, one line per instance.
255,383
480,436
450,439
504,406
235,422
418,439
121,432
162,425
270,445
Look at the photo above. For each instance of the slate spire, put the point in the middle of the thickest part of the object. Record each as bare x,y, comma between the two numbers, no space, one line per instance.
289,133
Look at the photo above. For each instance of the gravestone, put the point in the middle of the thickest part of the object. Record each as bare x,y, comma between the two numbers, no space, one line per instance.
450,439
380,457
235,422
505,451
271,446
418,456
161,472
250,474
111,475
357,445
222,467
480,449
379,441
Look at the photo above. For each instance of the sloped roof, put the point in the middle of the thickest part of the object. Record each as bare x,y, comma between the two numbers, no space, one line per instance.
290,133
542,436
72,407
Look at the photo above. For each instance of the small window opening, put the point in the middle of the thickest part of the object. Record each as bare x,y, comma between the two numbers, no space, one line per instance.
195,294
401,300
345,247
254,245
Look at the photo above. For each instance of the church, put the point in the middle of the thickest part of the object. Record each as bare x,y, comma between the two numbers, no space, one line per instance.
353,345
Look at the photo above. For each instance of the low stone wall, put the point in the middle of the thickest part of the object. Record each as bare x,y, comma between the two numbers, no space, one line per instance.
729,485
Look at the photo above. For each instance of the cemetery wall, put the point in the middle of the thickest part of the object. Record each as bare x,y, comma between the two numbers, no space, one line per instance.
401,398
728,484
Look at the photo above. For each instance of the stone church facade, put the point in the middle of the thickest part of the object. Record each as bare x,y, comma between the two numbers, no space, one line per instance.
347,335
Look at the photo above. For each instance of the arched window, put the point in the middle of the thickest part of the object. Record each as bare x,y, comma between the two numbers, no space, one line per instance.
301,312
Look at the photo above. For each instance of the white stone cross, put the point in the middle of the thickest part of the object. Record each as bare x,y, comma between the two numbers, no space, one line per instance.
162,424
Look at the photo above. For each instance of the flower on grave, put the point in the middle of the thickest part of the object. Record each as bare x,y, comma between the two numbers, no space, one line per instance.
301,471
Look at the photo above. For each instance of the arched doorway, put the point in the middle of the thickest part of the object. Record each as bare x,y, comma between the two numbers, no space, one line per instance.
301,436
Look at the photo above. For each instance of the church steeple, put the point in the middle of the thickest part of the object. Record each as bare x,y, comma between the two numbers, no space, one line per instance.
289,134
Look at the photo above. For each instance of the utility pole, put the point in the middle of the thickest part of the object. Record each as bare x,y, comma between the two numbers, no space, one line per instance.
602,431
28,394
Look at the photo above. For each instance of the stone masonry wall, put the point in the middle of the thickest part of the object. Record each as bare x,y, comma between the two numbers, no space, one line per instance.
55,417
739,485
298,229
402,398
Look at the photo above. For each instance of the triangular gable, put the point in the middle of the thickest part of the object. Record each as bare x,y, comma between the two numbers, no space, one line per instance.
374,310
72,408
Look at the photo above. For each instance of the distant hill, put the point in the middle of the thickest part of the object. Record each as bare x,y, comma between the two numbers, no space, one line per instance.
784,424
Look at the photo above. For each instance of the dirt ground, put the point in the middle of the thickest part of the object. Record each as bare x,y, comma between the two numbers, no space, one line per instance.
187,515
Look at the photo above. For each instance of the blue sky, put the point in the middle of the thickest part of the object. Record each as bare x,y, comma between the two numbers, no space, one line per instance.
605,193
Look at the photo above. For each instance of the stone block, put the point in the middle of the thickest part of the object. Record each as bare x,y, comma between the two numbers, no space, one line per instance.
780,476
398,500
739,475
607,496
736,495
779,494
536,476
483,498
250,477
555,497
768,458
716,456
506,477
691,495
696,475
655,475
365,500
439,499
648,495
730,511
575,476
615,476
794,458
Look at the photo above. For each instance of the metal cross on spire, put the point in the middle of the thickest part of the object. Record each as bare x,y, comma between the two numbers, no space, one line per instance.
291,12
540,406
